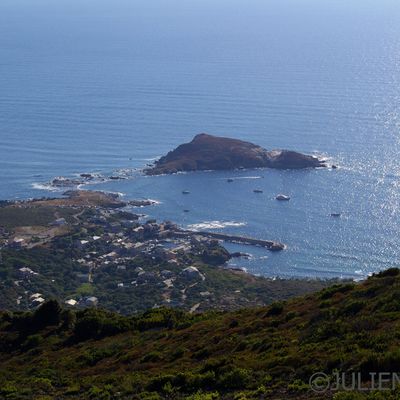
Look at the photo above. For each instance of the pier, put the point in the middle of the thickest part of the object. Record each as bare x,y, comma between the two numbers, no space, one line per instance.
268,244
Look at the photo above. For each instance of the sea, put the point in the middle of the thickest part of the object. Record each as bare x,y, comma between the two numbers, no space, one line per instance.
107,87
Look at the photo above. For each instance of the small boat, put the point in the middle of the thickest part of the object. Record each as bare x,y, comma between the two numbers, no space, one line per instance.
229,180
186,210
257,191
185,192
282,197
336,215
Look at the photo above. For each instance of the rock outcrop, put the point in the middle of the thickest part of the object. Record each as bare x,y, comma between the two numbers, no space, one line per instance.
207,152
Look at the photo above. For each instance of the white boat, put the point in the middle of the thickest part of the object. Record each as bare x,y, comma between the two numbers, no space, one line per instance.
282,197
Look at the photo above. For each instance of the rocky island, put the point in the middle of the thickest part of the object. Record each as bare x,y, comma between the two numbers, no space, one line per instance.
207,152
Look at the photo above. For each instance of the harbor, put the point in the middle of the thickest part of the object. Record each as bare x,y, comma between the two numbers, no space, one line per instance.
268,244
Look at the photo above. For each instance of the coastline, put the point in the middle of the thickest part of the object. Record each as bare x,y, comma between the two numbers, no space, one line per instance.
173,207
105,251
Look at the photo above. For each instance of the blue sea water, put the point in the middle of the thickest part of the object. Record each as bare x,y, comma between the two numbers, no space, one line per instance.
95,85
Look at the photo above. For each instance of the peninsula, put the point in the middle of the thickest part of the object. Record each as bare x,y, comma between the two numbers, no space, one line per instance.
207,152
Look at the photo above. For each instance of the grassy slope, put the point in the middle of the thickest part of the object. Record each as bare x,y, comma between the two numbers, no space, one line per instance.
267,352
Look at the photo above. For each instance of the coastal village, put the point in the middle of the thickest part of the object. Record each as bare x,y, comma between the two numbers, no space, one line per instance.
115,256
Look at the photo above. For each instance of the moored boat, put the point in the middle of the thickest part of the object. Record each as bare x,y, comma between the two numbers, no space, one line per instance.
282,197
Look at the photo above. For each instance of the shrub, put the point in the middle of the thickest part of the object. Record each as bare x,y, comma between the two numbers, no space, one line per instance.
201,354
178,353
153,356
8,389
275,309
299,386
92,357
331,291
42,384
290,315
237,378
353,308
234,323
204,396
68,318
149,396
160,381
159,318
100,393
388,272
47,314
348,396
32,341
93,323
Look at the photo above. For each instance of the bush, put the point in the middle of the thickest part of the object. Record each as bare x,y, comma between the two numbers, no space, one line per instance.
68,318
8,389
159,318
153,356
32,341
204,396
275,309
388,272
47,314
178,353
353,308
93,356
234,323
348,396
149,396
299,386
42,384
377,362
93,323
331,291
189,382
100,393
237,378
290,315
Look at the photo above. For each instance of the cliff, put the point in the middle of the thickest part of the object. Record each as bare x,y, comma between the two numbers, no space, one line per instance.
207,152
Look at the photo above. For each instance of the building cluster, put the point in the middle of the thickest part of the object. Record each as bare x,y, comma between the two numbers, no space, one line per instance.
117,242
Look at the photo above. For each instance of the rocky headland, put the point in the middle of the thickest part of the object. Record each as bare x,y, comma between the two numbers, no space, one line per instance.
207,152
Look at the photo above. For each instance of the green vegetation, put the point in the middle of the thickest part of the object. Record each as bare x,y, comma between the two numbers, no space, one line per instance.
60,277
266,352
12,217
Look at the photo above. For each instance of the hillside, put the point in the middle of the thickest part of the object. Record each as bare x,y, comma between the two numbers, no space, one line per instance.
268,352
207,152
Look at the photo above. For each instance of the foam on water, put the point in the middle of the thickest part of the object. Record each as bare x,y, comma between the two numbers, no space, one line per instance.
46,187
214,225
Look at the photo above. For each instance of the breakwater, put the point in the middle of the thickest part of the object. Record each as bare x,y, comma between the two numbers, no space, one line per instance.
269,244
